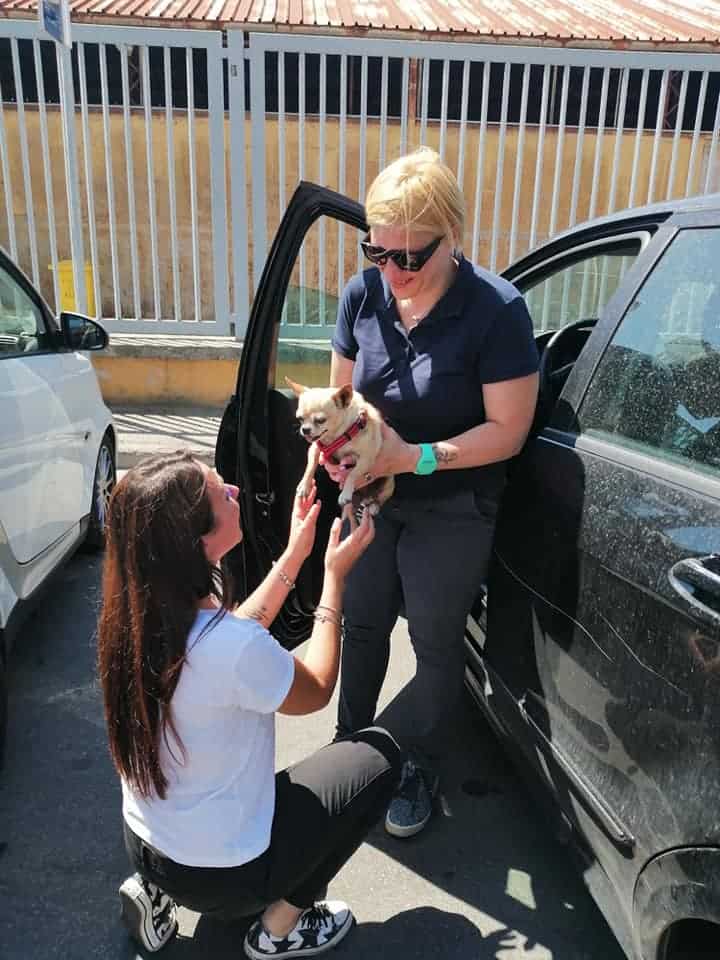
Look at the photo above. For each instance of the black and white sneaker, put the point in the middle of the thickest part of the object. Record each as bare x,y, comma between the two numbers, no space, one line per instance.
149,914
319,928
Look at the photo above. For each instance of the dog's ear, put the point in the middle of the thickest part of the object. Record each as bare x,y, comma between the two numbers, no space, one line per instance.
343,396
297,388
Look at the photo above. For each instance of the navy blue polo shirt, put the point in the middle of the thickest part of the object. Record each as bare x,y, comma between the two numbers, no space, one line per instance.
427,383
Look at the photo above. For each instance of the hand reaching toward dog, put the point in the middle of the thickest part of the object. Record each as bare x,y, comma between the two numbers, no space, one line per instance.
396,456
341,555
303,523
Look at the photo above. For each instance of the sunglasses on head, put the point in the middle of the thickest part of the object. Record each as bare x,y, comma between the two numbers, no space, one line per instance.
411,260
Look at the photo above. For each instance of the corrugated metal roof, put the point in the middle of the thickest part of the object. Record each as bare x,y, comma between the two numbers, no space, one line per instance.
613,21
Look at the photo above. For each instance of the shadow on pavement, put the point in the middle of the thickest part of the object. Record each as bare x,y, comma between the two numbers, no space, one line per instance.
419,932
493,848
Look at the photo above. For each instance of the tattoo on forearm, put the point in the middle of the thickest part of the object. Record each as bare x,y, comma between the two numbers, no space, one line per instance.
443,454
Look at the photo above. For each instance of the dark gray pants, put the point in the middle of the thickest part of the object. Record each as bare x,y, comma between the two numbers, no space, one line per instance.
429,558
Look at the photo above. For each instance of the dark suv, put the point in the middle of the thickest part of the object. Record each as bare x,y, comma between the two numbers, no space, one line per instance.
594,648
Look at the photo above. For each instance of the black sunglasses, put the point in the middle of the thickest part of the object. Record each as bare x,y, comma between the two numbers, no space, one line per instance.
412,260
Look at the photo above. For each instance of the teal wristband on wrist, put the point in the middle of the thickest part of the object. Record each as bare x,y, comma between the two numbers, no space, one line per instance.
428,461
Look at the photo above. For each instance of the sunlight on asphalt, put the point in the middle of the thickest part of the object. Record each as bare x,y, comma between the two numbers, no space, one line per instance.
515,946
519,887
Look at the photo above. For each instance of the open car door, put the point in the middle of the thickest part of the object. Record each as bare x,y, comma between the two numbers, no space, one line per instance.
259,446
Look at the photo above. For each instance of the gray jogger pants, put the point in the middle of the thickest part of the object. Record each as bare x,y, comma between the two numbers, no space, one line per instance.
429,557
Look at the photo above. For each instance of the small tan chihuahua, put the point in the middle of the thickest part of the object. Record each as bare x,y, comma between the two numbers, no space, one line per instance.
345,428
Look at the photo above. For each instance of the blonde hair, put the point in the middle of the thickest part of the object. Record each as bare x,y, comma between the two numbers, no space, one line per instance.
418,192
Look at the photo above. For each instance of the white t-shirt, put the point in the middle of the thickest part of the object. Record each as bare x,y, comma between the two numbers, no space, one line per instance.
220,799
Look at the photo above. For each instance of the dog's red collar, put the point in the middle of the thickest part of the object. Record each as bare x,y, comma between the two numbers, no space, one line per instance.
328,449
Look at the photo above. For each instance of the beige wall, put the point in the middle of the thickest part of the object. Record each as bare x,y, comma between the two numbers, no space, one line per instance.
331,155
141,381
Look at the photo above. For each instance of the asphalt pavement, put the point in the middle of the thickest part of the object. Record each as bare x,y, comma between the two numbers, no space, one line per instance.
485,880
142,433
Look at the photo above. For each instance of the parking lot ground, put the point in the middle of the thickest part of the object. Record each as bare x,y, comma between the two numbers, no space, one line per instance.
485,880
142,433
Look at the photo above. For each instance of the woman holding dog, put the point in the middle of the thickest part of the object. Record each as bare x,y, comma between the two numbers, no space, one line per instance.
191,682
445,350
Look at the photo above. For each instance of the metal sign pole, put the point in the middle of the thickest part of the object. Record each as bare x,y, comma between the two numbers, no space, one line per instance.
72,179
55,20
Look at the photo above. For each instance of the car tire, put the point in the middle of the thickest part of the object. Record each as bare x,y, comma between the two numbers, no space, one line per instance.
103,483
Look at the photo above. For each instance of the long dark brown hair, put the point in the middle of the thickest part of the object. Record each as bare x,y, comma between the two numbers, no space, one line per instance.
155,572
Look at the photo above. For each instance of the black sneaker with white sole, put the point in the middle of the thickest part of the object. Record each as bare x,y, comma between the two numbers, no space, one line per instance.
412,803
319,928
149,914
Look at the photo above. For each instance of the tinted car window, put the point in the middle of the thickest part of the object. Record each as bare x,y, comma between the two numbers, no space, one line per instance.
578,289
22,328
311,305
657,387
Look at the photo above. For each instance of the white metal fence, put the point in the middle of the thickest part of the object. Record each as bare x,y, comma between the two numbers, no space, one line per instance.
539,138
160,128
125,197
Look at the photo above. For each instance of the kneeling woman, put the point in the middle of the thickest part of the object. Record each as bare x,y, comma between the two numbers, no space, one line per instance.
191,683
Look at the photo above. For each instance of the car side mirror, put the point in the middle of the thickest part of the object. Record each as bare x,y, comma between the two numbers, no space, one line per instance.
82,333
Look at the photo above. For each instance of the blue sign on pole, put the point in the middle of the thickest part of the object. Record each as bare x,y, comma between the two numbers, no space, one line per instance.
55,20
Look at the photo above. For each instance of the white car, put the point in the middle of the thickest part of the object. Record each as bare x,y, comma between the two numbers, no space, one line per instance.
57,449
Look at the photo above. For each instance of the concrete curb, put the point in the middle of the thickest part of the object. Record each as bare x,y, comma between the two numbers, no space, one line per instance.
156,346
141,371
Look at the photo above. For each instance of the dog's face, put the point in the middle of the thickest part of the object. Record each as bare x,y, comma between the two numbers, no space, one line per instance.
321,411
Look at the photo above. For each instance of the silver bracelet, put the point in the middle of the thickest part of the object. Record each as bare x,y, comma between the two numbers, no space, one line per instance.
326,618
284,577
323,606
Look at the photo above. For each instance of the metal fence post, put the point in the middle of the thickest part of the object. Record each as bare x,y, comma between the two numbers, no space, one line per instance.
72,175
218,202
257,127
238,190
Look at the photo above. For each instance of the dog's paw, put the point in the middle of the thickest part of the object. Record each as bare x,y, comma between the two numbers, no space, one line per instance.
345,498
302,492
371,504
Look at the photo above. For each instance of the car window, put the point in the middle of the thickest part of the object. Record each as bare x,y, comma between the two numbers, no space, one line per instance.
328,257
22,327
579,286
657,387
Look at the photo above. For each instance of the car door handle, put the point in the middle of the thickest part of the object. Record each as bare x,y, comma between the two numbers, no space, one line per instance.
697,580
